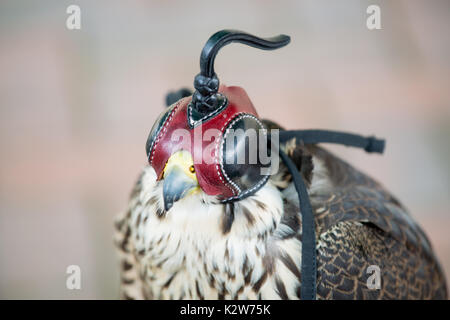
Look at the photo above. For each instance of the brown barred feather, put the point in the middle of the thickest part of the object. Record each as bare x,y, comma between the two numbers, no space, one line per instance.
358,224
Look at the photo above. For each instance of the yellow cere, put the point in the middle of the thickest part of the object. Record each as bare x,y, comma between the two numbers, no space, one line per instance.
183,160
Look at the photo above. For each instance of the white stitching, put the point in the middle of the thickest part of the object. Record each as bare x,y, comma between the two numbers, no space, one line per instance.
256,186
220,170
260,182
238,117
161,132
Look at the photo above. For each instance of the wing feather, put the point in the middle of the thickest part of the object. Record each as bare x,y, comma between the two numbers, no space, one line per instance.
359,224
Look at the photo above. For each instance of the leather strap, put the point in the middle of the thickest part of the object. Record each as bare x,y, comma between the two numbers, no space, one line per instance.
309,266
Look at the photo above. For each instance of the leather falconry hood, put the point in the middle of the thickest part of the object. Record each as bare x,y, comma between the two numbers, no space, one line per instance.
215,111
220,110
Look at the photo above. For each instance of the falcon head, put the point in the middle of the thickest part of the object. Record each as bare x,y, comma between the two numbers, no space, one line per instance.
179,178
210,142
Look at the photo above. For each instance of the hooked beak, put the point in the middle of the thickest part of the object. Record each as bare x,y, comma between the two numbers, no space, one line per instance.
176,185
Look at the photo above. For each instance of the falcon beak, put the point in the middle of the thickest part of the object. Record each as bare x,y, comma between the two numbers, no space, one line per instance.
178,180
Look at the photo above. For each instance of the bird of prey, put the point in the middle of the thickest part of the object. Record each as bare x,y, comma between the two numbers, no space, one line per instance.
193,233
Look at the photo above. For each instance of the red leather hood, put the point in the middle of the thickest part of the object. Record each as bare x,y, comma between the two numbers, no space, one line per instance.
205,145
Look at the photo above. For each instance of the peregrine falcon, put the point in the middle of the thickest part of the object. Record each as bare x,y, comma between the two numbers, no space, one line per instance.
222,231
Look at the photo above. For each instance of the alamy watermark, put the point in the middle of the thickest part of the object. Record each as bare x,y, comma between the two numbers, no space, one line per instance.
374,280
73,21
73,281
249,146
373,21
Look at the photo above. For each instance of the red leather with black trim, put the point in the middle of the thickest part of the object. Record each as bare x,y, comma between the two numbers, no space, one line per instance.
204,144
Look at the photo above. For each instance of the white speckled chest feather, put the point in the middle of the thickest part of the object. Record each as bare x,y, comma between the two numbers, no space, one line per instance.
185,253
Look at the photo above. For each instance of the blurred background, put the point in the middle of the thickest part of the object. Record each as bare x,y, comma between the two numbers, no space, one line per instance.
76,107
